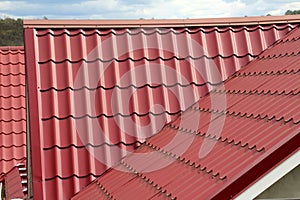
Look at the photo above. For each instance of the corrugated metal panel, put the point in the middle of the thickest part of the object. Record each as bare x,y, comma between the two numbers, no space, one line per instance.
97,93
12,108
259,129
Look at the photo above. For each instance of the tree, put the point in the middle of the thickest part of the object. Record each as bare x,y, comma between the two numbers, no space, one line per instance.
292,12
11,32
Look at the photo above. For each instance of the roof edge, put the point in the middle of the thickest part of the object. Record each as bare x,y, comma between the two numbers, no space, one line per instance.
232,21
271,177
259,168
7,48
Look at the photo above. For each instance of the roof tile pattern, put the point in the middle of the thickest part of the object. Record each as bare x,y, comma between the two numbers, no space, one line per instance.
97,93
12,108
15,182
260,129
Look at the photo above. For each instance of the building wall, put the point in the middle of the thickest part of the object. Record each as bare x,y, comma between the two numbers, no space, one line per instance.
288,187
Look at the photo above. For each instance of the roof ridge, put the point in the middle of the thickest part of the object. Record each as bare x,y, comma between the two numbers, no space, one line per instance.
232,21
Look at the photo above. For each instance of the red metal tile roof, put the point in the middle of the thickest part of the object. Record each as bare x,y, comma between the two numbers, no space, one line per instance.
233,144
15,182
96,91
12,108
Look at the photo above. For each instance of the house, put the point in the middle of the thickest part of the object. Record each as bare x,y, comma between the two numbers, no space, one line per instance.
98,89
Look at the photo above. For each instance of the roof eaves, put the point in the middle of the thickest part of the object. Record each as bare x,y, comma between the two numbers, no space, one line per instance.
233,21
271,177
276,155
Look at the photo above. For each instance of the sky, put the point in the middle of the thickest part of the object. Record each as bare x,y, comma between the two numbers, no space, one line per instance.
147,9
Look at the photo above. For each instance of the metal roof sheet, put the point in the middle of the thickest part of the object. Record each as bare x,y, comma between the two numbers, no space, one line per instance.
12,107
232,145
15,182
96,93
212,22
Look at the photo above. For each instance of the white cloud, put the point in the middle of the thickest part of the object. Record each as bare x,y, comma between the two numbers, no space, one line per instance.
195,9
276,7
94,4
6,5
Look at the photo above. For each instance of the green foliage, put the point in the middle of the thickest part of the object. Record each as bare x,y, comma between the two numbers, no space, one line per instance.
11,32
292,12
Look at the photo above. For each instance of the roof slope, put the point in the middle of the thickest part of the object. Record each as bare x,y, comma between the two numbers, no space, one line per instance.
96,92
232,145
12,108
15,182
